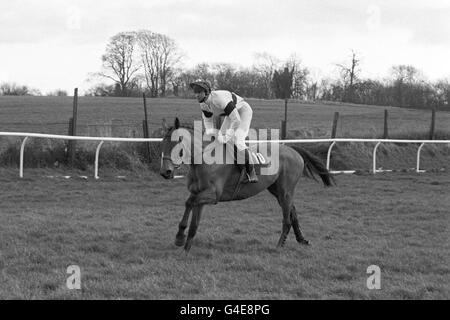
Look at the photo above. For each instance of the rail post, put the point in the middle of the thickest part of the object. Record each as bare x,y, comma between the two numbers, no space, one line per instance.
97,152
22,148
375,157
418,159
329,155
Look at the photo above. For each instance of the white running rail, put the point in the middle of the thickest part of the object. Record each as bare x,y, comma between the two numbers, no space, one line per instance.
101,140
62,137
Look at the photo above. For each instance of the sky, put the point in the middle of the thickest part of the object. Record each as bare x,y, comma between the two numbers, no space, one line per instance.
55,44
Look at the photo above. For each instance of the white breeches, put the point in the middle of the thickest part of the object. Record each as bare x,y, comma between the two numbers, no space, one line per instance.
246,113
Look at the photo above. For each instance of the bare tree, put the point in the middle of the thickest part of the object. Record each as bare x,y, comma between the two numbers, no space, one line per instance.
265,66
406,73
404,77
14,89
314,79
282,83
349,75
299,77
58,93
171,56
160,55
442,89
225,75
118,61
150,55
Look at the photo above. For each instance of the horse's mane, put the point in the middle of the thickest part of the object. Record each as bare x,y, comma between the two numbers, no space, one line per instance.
185,125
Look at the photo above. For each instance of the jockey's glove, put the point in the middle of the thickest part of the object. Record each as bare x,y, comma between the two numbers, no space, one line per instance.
221,138
210,132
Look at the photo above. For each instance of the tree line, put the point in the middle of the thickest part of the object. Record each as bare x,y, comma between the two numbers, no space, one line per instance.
405,86
145,61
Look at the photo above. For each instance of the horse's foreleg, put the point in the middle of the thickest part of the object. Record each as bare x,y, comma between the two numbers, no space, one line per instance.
196,215
296,227
180,238
207,196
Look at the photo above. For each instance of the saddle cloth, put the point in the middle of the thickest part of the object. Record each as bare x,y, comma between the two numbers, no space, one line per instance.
259,160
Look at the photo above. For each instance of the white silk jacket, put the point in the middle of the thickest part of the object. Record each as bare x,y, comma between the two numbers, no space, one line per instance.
221,102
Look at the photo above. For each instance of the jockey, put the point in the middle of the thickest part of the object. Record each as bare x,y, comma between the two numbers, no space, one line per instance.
236,125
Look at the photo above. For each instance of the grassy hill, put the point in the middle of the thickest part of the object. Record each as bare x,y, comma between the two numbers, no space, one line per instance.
122,117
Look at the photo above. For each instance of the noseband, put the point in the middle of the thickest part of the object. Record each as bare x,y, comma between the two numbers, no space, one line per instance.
176,166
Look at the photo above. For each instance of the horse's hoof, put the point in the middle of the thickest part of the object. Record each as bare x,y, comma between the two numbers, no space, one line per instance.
280,245
180,241
304,242
183,254
187,246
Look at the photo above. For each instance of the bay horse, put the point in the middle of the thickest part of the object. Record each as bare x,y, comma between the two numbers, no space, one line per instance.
213,183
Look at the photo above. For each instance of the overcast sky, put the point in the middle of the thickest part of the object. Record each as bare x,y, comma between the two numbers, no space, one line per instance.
50,44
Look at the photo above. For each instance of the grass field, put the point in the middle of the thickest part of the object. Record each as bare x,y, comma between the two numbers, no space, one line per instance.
121,232
122,117
51,115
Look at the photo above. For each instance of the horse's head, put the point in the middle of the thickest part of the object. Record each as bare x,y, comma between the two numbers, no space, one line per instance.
169,146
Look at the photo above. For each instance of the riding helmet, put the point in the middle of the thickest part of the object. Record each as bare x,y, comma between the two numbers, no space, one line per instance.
204,85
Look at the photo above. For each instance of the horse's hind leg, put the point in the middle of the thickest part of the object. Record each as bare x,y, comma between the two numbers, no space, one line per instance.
196,215
285,201
285,206
180,238
296,227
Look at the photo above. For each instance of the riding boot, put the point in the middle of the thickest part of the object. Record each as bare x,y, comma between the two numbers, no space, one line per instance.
250,168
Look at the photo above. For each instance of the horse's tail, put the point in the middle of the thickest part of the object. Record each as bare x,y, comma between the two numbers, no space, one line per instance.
314,165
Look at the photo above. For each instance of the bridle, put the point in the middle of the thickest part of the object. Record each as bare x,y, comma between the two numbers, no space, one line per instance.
176,166
167,158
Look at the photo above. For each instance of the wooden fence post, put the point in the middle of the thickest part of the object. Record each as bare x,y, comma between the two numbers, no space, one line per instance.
386,129
433,123
69,132
146,128
145,110
285,109
73,128
283,130
284,122
335,122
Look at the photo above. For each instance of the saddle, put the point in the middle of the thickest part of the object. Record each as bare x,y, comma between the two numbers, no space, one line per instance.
259,161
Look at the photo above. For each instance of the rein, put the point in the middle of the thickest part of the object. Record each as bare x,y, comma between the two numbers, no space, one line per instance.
176,166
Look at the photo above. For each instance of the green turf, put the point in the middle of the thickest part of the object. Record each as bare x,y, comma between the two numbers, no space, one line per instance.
121,232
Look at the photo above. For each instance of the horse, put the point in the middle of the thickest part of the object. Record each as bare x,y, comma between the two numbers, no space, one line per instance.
213,183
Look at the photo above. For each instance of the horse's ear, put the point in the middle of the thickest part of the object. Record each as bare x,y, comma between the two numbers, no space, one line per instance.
177,123
164,125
